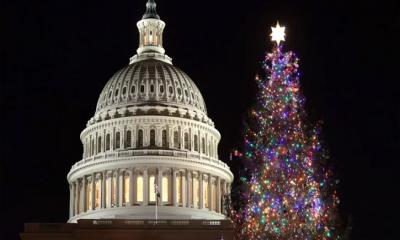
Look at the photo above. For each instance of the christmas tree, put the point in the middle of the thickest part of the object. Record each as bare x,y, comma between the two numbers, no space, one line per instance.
289,191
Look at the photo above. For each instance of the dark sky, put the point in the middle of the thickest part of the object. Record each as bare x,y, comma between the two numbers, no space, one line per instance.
56,56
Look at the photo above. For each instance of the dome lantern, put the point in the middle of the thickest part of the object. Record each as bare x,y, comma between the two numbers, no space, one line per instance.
151,29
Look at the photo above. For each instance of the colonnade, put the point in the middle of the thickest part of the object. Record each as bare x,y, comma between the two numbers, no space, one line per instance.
139,186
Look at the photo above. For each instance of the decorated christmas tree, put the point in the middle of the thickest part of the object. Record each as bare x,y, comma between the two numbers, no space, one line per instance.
289,192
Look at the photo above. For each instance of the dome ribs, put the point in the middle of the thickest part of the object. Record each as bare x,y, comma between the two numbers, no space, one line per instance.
140,83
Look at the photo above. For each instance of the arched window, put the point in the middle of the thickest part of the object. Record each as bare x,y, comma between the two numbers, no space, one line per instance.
203,145
140,138
126,188
117,140
152,138
164,139
99,144
139,189
128,140
164,194
107,141
152,194
187,141
196,144
97,194
176,139
108,191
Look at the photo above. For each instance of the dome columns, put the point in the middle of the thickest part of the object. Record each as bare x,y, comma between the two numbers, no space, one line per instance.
119,183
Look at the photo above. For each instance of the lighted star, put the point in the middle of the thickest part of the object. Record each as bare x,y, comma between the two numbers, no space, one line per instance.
278,33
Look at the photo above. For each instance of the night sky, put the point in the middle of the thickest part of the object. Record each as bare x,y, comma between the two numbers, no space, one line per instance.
56,56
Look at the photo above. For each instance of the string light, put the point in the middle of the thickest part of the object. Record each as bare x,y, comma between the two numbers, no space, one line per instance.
288,194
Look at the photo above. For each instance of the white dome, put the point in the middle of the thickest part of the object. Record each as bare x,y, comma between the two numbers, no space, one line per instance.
150,82
150,131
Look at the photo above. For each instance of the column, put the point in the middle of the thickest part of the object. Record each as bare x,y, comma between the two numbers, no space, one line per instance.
218,195
201,190
131,186
103,189
209,192
145,187
192,191
76,210
83,198
120,174
93,183
71,200
174,203
159,180
188,200
183,190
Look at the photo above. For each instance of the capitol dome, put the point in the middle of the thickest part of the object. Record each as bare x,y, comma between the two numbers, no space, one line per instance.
150,82
150,151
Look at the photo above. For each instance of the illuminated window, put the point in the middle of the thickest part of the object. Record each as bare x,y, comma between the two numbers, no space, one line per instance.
186,140
152,195
140,138
196,192
98,144
165,189
117,140
196,144
164,138
108,191
97,194
126,188
152,138
139,189
176,139
108,141
205,193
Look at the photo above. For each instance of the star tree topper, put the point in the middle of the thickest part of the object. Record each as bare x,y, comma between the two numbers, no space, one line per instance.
278,33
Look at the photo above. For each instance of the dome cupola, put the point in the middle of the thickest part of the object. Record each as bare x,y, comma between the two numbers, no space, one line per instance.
151,29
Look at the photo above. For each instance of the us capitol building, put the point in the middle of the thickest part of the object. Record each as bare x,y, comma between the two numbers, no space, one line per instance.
150,151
